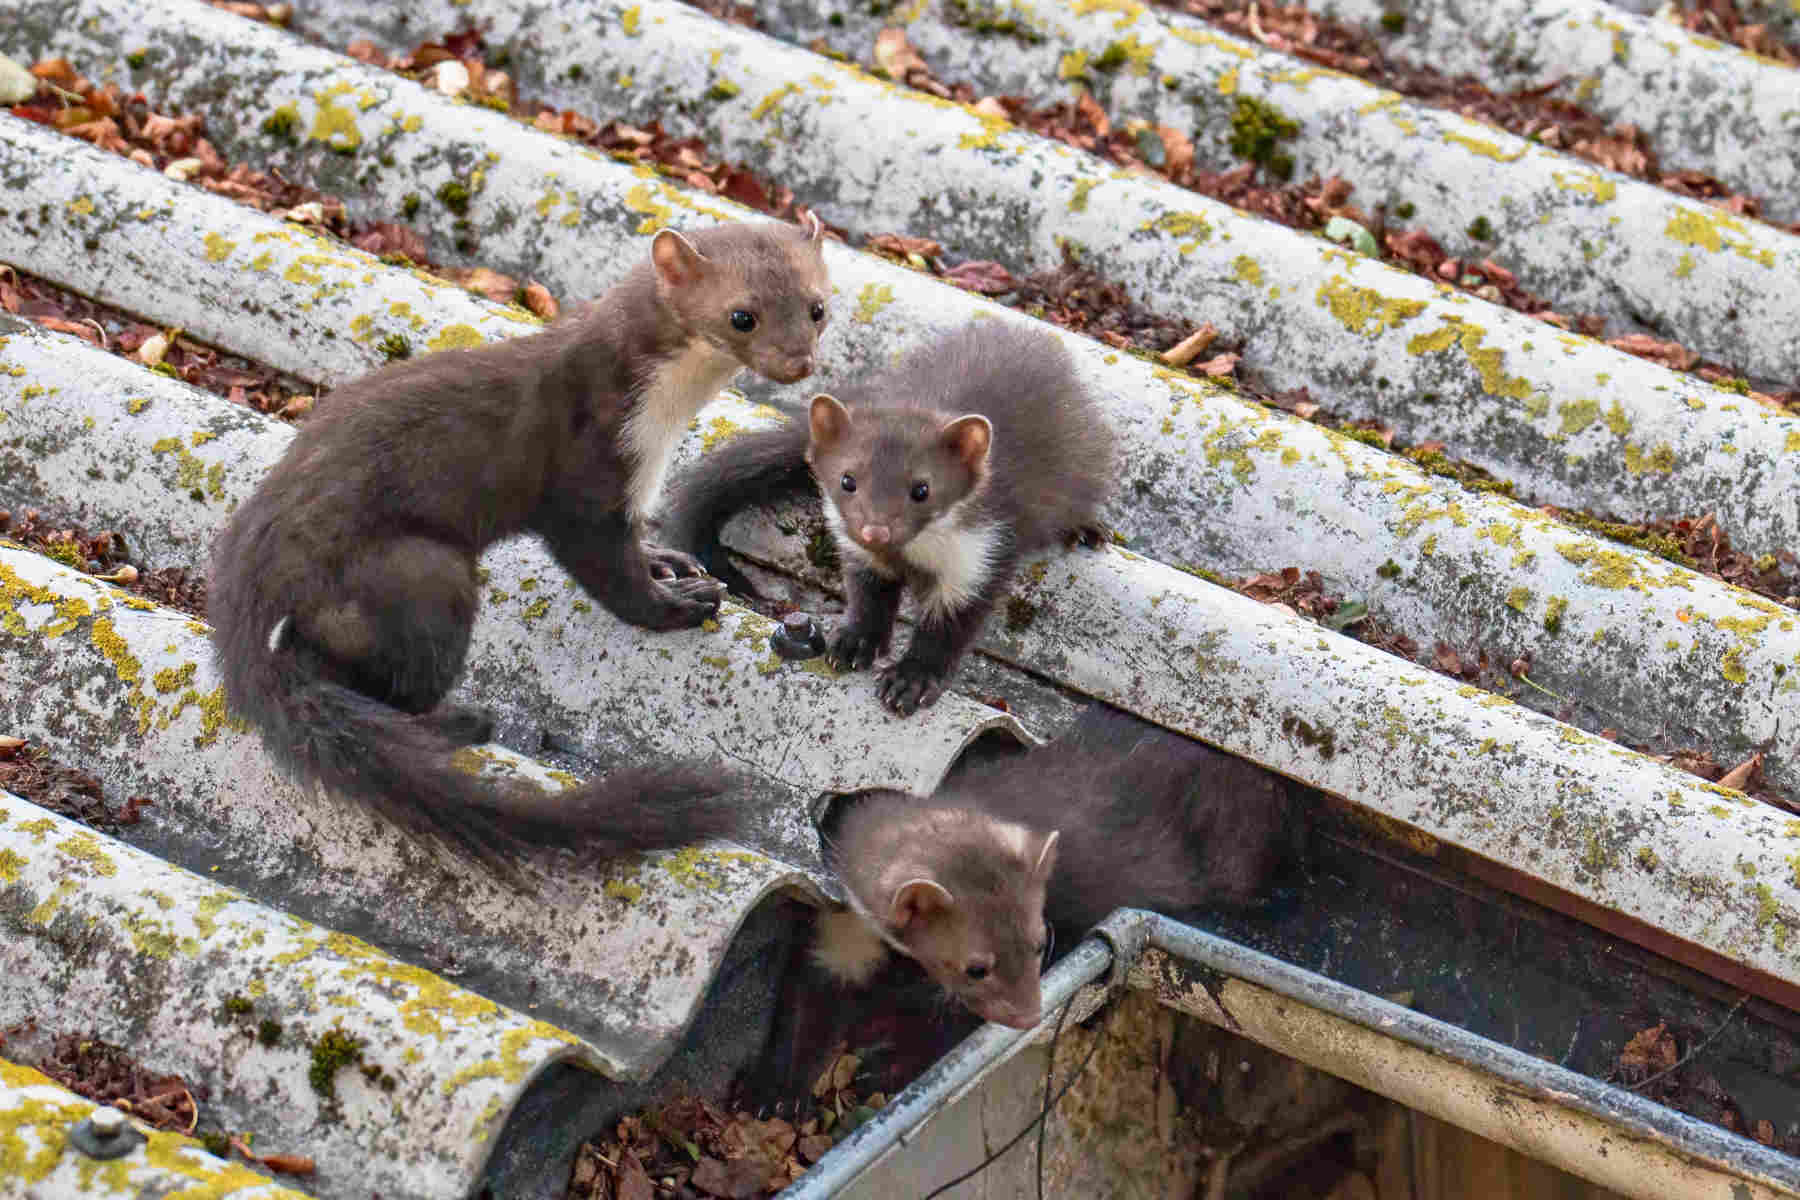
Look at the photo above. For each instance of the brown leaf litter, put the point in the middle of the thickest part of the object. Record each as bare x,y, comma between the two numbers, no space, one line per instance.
105,554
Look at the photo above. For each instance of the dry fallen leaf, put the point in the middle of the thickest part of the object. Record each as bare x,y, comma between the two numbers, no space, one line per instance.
539,300
988,278
895,55
1184,352
1739,776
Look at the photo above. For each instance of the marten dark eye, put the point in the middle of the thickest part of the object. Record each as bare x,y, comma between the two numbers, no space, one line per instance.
920,490
976,971
818,312
742,321
848,482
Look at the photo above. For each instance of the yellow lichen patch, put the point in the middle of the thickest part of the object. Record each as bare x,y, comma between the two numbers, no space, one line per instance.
1245,270
455,337
1079,201
1606,568
1129,11
631,20
871,300
10,865
639,200
630,893
1661,459
1731,666
1616,420
82,206
1484,148
433,1001
1519,599
1385,100
1599,187
1488,361
772,101
1577,415
85,848
1708,228
173,679
1359,307
334,124
218,249
1183,224
510,1065
47,908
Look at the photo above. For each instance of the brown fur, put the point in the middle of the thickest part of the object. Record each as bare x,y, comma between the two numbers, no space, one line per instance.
989,426
1142,818
344,589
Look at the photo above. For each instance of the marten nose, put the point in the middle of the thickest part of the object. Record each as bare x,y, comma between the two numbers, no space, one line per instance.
875,535
796,368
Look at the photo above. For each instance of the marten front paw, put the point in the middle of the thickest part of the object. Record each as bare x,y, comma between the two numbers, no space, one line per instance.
1091,536
908,686
851,650
672,564
685,603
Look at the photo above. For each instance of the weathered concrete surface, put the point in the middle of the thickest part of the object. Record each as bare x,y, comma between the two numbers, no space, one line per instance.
1592,241
35,1118
1492,383
103,940
622,953
1705,104
1272,492
1454,762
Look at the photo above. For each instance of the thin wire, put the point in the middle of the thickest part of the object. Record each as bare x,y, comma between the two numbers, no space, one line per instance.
1035,1122
1043,1125
1697,1049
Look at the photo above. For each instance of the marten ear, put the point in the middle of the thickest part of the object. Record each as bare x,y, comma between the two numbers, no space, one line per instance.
968,439
1046,856
830,422
917,900
678,264
812,227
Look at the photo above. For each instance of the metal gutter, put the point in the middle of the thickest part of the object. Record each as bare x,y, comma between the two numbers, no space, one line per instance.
101,939
1602,1133
1705,104
36,1117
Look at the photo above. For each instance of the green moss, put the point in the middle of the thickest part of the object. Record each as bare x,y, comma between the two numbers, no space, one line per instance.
1405,210
268,1032
989,19
283,124
1481,229
237,1005
217,1144
1367,437
1474,478
1553,613
1389,570
1020,613
66,552
822,551
1734,384
136,59
1393,22
723,90
1257,127
395,346
454,195
409,205
1659,544
334,1050
1647,858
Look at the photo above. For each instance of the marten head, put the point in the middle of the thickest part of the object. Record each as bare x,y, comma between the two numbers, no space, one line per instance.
960,892
757,292
889,473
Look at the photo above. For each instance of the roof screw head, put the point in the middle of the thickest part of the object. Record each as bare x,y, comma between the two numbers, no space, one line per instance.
104,1134
798,637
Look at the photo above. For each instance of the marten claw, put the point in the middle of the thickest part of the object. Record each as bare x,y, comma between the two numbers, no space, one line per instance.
1091,536
906,687
672,564
852,651
686,602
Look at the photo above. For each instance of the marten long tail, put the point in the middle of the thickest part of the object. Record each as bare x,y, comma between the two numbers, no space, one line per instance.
400,766
752,470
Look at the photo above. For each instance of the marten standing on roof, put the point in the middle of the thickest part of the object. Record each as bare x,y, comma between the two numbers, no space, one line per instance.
344,590
940,475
